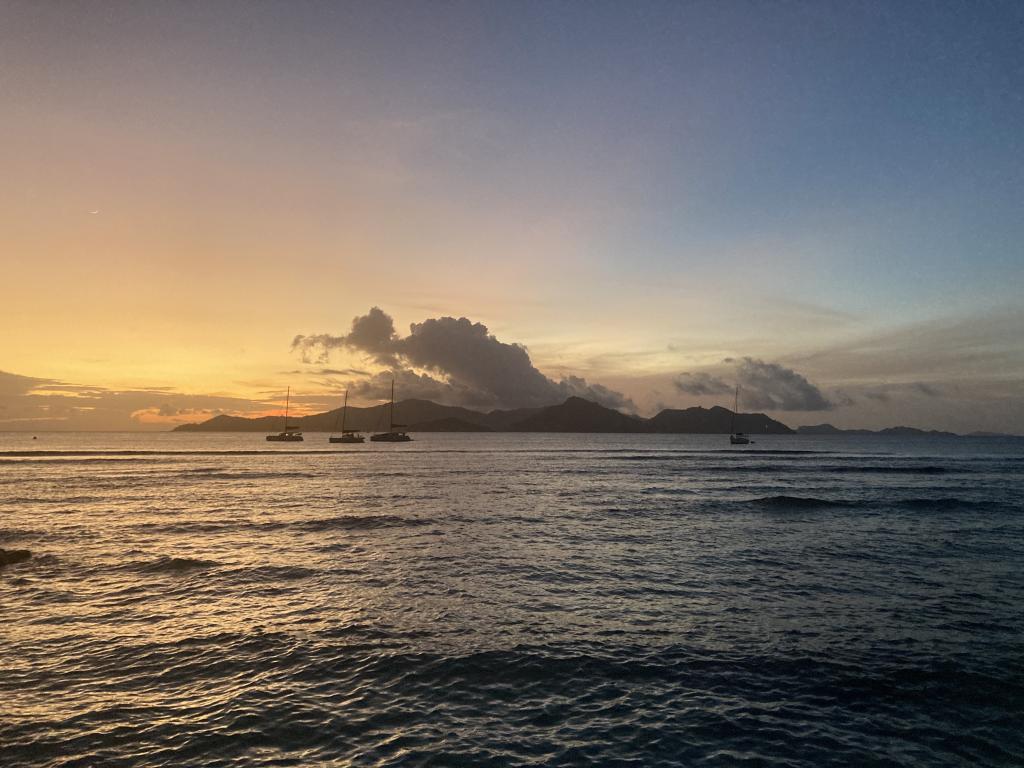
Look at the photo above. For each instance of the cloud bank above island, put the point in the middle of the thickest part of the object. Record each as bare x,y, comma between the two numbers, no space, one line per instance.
451,360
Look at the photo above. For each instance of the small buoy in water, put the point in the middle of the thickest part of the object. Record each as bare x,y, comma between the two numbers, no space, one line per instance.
34,437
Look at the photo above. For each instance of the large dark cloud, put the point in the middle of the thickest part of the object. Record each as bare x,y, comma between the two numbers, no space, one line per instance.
772,387
455,360
764,386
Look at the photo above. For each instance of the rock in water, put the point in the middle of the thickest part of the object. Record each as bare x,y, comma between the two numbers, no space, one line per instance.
12,556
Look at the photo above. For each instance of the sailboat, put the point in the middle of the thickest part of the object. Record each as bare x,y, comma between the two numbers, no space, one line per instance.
737,438
291,434
347,435
393,435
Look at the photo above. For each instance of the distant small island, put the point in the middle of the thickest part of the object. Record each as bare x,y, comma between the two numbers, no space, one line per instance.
828,429
574,415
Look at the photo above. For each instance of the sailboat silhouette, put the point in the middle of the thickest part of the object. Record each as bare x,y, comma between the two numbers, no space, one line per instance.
291,434
393,435
737,438
347,435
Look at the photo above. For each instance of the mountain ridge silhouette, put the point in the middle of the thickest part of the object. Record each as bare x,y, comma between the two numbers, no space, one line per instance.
576,414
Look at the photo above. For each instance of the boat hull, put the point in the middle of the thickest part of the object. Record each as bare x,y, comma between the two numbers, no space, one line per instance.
346,439
285,438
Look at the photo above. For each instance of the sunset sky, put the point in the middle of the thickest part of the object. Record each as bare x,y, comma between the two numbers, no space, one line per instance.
823,201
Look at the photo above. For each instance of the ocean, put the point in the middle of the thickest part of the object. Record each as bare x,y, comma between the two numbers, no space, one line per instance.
511,600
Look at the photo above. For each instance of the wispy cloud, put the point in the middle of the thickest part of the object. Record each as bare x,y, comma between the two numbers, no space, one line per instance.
31,403
977,347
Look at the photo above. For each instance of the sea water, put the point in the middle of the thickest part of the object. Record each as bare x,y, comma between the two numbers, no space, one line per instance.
504,600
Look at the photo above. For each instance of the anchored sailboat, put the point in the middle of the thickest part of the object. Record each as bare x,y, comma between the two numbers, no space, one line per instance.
291,434
737,438
347,435
393,435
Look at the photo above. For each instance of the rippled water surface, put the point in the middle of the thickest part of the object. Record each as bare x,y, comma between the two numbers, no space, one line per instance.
475,600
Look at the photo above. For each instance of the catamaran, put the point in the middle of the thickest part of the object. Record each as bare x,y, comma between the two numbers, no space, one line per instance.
291,434
737,438
347,435
393,435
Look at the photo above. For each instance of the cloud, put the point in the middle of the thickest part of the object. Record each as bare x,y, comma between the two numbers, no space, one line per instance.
701,383
772,387
455,360
981,347
765,386
841,398
29,403
883,393
878,395
372,333
13,384
411,385
168,415
339,372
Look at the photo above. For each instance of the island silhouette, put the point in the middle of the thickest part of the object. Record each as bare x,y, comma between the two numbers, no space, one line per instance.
576,414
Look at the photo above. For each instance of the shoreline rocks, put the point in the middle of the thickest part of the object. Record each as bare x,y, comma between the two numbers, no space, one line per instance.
12,556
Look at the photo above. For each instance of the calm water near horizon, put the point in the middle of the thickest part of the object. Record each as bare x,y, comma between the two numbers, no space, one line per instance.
509,599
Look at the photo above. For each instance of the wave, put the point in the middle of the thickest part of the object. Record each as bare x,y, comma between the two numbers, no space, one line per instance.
63,500
78,460
190,526
797,502
208,473
169,564
346,523
929,469
13,534
827,469
269,573
940,504
343,696
948,502
314,525
668,454
783,501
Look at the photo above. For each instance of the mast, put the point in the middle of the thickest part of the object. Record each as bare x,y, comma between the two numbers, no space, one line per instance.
287,401
391,413
344,410
735,407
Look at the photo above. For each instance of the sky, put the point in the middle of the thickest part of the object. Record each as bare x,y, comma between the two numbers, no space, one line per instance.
202,204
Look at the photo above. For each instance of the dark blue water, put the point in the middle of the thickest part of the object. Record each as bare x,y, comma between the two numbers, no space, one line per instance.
476,600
